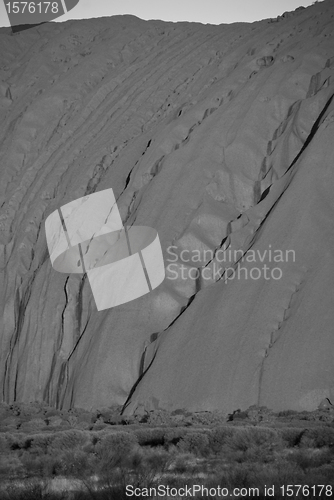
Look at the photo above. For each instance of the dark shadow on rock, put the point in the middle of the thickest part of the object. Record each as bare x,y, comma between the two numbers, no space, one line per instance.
23,27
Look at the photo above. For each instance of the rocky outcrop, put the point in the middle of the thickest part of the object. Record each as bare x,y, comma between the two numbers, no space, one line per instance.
219,137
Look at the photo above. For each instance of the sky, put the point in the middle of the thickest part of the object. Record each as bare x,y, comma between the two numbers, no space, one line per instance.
203,11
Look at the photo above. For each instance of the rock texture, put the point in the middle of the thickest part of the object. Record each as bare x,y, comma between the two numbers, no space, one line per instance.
217,137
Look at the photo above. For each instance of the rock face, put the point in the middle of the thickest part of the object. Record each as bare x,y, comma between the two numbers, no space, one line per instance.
220,138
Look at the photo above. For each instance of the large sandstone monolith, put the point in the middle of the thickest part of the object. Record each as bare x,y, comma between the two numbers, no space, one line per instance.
218,137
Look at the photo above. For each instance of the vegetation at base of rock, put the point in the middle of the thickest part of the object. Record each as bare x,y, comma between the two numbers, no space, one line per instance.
244,449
